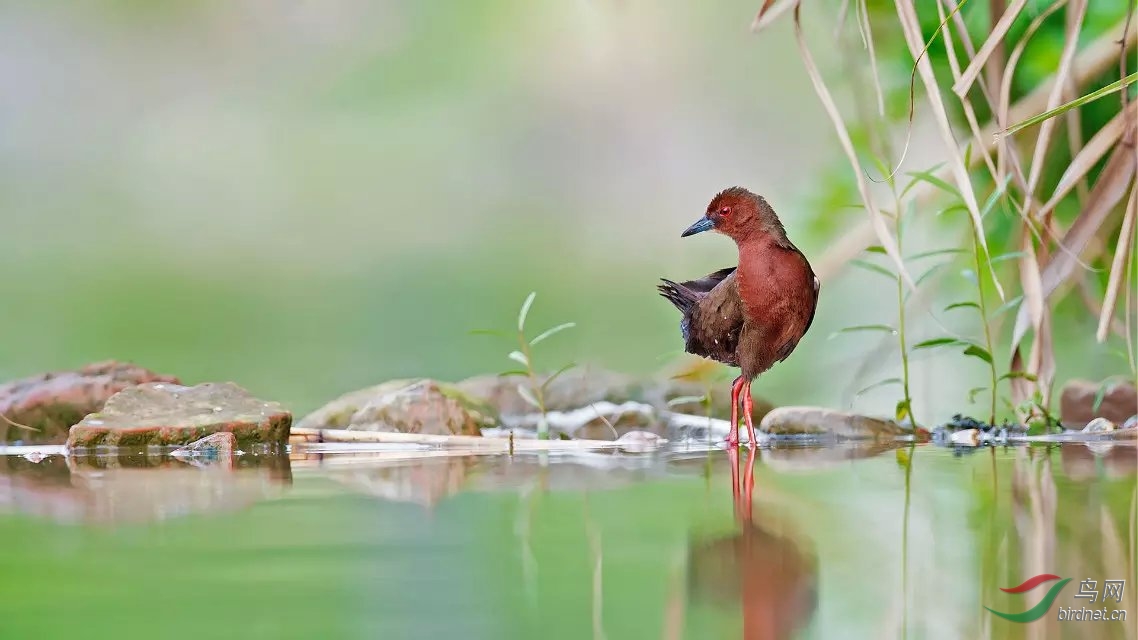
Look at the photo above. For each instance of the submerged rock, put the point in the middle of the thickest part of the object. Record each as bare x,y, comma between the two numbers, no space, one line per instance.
820,421
406,406
219,447
50,403
171,414
1077,402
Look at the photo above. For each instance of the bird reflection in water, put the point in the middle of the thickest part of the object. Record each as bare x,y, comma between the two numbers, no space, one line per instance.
763,567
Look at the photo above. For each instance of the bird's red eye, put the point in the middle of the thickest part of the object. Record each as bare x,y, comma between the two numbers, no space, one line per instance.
725,211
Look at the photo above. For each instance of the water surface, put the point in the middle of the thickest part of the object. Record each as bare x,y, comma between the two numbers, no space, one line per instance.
854,542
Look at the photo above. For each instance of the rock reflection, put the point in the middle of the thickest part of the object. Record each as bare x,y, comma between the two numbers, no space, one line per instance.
1082,462
767,568
131,487
429,477
425,481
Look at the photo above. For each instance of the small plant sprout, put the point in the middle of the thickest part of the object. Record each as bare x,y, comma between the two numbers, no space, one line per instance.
533,390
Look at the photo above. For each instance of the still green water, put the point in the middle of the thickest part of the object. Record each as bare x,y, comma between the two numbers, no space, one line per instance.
860,542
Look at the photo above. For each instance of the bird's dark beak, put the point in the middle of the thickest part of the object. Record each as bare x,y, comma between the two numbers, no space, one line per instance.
701,225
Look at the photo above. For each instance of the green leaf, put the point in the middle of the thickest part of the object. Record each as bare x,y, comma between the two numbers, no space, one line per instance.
1113,87
513,372
864,327
1012,255
979,352
1100,393
915,181
687,400
929,272
903,458
936,252
936,342
1018,374
525,310
519,357
997,193
876,249
528,396
972,393
487,332
952,207
903,410
555,375
962,305
1007,306
876,268
549,332
879,383
928,177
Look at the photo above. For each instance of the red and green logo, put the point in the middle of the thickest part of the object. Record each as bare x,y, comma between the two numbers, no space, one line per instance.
1039,610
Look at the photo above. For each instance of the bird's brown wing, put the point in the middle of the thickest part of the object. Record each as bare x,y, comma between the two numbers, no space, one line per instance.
708,282
715,322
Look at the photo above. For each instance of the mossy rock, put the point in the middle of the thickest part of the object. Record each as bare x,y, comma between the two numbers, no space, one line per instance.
407,406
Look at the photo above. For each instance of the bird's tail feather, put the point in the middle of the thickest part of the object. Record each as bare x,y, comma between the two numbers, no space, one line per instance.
677,294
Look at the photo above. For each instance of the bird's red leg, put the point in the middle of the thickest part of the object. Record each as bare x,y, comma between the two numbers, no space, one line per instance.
733,435
733,458
749,485
748,408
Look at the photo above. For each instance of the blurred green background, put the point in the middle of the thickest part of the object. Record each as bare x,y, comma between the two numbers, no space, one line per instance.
306,198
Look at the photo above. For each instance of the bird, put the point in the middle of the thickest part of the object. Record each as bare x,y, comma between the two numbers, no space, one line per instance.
750,316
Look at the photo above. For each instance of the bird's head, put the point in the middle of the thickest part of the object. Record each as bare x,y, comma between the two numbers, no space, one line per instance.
740,215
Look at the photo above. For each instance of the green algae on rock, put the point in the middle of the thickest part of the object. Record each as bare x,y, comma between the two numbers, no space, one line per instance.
171,414
49,403
406,406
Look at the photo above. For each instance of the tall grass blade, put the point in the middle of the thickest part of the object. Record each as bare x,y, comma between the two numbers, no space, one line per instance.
911,27
1111,186
1118,266
1113,87
879,226
995,38
1087,157
1062,75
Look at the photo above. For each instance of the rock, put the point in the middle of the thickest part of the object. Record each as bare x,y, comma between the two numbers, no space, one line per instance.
171,414
701,430
967,437
406,406
1131,423
1076,404
819,421
51,402
640,441
1099,425
601,420
572,389
664,394
217,447
582,386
